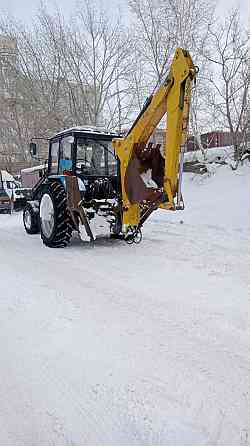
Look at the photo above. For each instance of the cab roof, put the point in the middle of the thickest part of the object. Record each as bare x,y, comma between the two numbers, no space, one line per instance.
87,130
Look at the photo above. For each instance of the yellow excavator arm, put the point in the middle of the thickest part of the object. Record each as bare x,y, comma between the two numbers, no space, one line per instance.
173,99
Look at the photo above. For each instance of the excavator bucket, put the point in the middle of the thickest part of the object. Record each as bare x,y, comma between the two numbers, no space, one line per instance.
144,177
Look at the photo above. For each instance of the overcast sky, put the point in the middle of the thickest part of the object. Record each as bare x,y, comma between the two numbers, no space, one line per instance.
25,9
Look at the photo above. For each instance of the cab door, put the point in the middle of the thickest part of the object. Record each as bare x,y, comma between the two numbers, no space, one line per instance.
53,157
65,154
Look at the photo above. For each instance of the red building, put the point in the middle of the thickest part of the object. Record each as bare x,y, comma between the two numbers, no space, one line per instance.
212,139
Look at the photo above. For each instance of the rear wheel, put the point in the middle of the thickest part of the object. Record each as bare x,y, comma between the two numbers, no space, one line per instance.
30,219
55,222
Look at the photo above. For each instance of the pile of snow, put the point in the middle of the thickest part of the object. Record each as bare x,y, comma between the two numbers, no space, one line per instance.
213,155
219,198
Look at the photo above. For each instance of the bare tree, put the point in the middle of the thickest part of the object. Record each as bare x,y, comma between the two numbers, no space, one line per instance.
66,73
229,54
153,37
31,105
96,52
161,26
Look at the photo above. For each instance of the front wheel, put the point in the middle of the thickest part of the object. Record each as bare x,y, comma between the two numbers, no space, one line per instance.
56,228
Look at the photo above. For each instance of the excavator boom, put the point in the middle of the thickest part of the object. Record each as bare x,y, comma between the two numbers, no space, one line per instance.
136,158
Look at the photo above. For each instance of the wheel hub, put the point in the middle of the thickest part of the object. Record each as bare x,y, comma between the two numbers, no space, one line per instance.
27,219
47,215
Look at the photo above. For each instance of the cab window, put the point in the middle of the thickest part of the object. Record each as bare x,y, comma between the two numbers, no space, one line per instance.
95,157
54,152
65,162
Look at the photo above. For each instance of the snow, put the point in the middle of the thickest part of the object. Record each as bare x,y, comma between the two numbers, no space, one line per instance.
87,129
6,176
33,169
131,345
211,155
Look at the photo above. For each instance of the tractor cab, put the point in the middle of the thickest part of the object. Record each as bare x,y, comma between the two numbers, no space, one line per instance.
86,153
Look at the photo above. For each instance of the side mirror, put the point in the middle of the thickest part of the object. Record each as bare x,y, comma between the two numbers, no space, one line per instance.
33,149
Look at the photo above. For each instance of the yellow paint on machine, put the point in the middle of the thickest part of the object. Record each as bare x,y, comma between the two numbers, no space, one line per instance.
172,98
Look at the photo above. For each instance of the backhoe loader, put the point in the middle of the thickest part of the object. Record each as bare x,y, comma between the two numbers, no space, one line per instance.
93,173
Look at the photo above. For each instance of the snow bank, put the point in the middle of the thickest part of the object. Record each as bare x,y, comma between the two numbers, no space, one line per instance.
210,155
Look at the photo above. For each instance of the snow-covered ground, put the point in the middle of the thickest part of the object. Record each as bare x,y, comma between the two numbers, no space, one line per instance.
132,345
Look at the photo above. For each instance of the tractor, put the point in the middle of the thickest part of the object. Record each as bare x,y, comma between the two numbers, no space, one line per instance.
93,173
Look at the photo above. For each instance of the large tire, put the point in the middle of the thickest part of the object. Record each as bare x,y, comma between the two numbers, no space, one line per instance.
55,222
31,219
